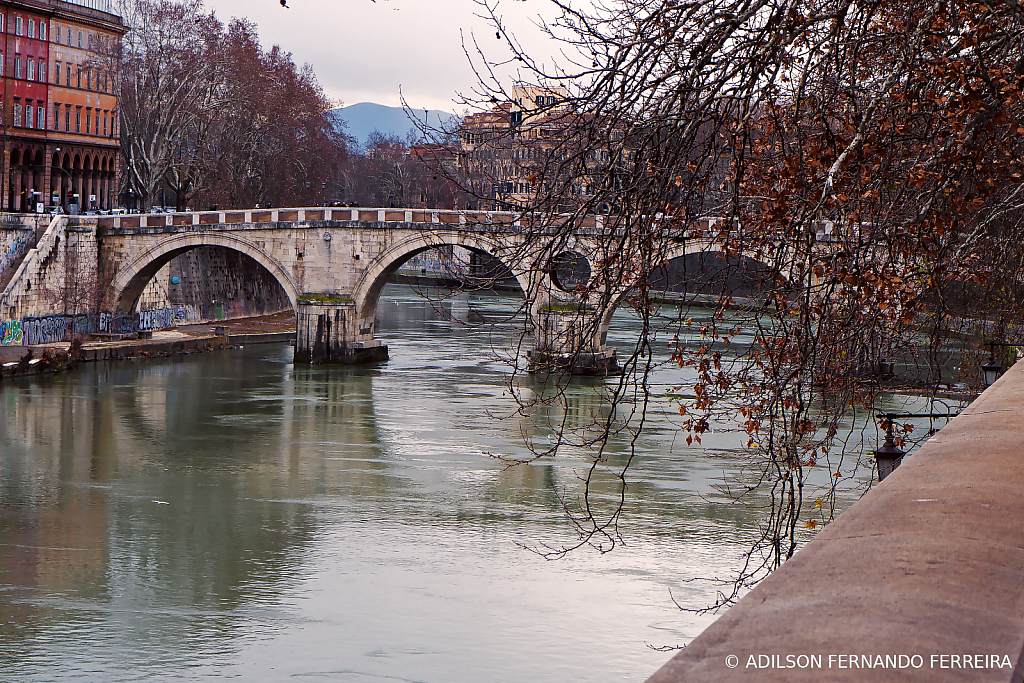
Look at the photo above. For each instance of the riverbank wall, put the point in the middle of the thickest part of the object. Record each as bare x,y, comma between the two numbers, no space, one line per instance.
55,358
922,578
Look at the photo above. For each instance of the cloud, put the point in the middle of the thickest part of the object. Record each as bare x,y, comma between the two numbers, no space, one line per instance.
365,51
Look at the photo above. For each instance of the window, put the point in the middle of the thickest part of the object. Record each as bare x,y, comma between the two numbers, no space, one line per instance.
2,62
17,67
31,75
56,117
105,82
42,31
28,116
88,122
67,119
18,26
1,22
79,39
88,79
56,73
90,41
69,41
104,125
42,71
78,121
31,28
69,76
17,114
79,77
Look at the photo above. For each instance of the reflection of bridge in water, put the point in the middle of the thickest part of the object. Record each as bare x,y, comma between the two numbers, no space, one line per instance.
332,264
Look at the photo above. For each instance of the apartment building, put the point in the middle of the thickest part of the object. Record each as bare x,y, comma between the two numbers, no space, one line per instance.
531,151
59,93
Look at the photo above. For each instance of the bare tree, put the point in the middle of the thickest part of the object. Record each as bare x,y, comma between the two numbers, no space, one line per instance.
866,156
171,79
210,115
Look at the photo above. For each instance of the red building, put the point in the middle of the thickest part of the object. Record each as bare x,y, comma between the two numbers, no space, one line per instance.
59,95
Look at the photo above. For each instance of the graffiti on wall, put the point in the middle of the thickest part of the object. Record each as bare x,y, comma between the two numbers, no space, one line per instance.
53,329
12,332
109,323
15,249
156,319
187,314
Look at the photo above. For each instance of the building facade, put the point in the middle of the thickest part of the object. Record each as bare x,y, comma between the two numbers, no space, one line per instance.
532,151
59,93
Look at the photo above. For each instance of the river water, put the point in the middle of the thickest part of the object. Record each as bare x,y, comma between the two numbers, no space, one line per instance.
231,515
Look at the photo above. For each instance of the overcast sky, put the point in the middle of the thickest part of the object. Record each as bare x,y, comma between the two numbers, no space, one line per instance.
364,51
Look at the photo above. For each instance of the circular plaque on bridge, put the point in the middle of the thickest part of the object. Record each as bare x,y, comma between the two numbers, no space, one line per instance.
570,270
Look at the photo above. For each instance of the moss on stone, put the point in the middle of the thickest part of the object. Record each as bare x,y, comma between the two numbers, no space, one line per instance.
325,298
563,307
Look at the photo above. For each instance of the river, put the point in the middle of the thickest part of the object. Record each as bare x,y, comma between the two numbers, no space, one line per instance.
231,515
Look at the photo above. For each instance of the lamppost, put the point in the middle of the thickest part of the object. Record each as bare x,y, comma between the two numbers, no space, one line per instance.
71,180
323,192
991,369
889,456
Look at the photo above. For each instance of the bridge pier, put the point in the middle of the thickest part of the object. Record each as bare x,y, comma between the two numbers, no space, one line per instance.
568,340
327,331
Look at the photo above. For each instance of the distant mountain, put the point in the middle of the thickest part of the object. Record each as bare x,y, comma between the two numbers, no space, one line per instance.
366,117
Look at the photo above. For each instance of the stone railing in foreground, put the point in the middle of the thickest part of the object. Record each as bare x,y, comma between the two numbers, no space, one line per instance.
922,579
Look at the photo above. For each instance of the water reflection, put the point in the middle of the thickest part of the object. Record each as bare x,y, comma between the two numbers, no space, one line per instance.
230,514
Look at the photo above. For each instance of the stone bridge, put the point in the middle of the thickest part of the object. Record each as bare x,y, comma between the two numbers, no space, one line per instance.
333,263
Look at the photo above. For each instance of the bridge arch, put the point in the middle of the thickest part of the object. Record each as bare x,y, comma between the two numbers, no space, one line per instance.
368,288
130,281
683,250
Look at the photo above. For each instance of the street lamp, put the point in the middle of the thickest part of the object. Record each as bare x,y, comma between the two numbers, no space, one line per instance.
889,456
71,180
991,369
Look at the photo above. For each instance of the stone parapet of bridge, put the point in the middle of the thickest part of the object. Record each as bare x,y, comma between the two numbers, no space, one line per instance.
483,219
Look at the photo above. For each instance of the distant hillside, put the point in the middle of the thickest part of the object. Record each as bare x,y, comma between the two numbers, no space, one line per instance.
366,117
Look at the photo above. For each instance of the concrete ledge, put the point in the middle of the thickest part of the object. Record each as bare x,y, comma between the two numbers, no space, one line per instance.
262,338
150,348
930,562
